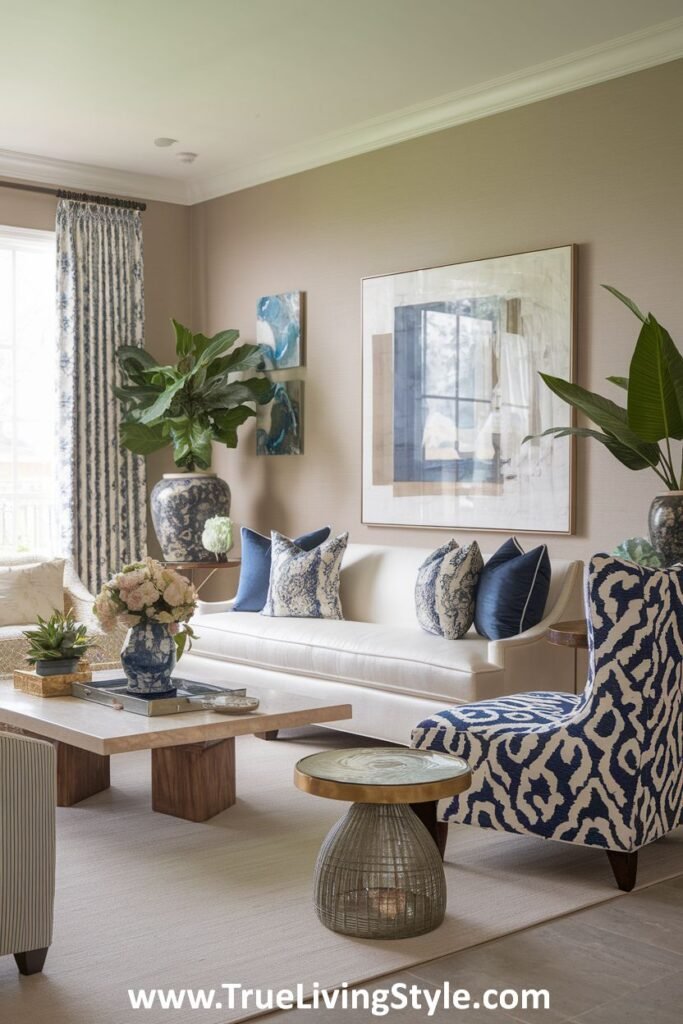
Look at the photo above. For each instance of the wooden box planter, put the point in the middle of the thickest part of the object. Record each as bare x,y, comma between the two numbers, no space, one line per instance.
50,686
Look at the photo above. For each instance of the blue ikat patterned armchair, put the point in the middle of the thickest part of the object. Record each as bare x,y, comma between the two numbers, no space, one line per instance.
603,769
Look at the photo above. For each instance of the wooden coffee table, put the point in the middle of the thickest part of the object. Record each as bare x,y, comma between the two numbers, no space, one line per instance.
193,754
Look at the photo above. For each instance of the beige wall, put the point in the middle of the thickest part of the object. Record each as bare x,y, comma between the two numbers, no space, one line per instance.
166,234
601,167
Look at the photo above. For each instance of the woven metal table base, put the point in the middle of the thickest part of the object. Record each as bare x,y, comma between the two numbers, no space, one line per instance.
379,875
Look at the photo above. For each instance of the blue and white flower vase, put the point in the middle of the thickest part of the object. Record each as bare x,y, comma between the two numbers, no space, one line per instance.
148,657
181,503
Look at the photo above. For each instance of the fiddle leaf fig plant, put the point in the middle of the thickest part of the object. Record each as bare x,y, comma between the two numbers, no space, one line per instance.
192,403
640,435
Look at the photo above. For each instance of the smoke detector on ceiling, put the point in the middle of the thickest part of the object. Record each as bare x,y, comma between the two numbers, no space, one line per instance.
187,158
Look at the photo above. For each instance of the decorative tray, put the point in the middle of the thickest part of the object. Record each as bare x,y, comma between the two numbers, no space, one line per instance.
190,695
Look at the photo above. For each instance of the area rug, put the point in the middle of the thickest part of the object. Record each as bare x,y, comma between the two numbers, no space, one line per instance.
149,901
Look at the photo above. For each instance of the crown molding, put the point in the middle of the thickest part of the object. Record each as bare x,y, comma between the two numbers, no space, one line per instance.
622,56
90,178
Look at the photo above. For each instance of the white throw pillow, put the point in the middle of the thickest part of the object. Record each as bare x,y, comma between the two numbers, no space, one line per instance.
27,591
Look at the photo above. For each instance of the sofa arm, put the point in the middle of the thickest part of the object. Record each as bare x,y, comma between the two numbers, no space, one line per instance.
77,597
214,607
569,605
27,843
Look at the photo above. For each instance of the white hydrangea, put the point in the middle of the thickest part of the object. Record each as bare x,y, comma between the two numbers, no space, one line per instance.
217,535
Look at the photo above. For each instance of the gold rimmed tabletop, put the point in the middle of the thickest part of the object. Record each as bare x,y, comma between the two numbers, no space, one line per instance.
382,775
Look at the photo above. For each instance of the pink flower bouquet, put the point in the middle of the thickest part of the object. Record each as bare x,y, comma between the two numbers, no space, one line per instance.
148,591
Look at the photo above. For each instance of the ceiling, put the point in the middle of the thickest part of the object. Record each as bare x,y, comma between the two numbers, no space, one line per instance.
263,88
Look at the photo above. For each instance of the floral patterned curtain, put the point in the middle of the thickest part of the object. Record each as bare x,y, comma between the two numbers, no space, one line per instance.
100,307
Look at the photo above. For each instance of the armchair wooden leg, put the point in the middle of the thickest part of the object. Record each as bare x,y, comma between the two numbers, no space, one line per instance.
624,867
32,961
438,830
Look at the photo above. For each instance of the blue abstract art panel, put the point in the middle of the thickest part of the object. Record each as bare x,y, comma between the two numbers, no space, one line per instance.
278,329
278,425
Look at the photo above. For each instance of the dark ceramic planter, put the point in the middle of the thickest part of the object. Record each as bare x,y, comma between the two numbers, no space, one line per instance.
148,657
181,504
50,667
666,526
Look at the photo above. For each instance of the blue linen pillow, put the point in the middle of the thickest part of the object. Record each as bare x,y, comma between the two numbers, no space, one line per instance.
513,590
252,590
445,589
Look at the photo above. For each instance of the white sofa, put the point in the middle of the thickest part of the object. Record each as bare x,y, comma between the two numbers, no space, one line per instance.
378,659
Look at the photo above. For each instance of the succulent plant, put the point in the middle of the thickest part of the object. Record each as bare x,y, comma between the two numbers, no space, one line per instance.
59,638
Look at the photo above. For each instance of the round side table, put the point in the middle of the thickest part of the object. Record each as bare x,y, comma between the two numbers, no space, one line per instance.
379,873
574,634
208,567
569,634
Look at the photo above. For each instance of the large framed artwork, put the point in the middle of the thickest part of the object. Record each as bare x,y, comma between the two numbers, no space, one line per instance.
451,387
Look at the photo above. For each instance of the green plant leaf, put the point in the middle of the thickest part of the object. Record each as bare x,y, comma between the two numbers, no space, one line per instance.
244,357
653,409
621,382
216,345
140,355
180,642
191,441
183,340
674,363
607,415
627,302
257,389
142,439
226,424
628,458
162,403
134,361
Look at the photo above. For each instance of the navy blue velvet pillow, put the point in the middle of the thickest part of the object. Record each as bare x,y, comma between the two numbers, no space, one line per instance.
255,569
513,590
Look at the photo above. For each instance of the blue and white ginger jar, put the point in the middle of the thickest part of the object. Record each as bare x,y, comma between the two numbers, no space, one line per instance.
148,657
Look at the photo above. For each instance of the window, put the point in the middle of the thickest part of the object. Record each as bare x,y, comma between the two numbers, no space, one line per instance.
446,400
28,391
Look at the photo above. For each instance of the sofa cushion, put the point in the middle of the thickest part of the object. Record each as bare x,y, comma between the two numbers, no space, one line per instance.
305,584
445,589
513,591
395,658
27,591
255,568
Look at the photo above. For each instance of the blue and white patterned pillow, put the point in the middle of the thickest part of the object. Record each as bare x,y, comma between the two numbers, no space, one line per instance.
305,584
446,589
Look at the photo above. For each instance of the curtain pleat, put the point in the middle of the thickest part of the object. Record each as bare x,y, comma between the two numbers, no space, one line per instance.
101,307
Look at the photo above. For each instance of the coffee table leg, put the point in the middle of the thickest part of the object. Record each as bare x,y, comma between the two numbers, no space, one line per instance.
438,830
194,781
80,773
